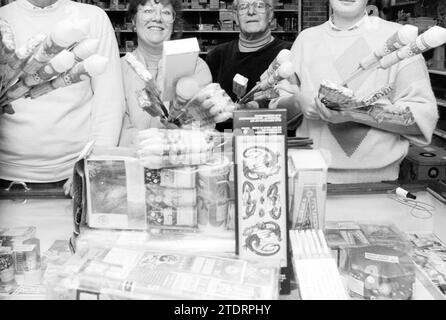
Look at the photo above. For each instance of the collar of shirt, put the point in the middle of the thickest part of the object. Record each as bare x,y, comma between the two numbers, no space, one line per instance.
28,5
353,27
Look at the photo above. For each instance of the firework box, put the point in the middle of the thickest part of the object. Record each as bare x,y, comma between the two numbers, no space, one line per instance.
178,60
261,188
114,191
307,179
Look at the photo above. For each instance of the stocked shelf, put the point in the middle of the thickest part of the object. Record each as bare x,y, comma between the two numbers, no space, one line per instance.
441,102
438,71
440,133
205,23
404,3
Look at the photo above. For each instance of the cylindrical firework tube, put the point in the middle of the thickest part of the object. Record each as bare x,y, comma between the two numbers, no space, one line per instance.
15,63
282,56
7,42
432,38
186,88
17,91
60,63
84,49
90,67
403,37
65,34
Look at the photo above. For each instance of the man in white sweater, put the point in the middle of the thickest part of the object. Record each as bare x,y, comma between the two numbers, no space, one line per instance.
362,150
40,142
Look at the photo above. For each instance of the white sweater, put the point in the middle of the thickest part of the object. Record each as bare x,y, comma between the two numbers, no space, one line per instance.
41,141
361,153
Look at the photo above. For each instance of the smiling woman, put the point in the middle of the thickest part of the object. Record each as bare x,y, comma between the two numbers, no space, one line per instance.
155,22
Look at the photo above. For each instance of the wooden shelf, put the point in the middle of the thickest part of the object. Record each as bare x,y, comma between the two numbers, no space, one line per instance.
438,71
404,3
441,102
206,10
226,10
230,31
440,133
115,10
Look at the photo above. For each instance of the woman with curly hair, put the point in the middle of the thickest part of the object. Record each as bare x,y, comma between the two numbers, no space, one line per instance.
155,22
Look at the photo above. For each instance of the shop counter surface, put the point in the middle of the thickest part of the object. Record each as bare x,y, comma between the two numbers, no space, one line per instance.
52,218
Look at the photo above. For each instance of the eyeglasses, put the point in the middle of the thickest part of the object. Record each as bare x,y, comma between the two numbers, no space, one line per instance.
149,13
260,6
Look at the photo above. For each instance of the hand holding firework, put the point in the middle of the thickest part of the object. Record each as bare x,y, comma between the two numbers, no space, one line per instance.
404,36
209,106
150,97
284,71
45,63
432,38
339,98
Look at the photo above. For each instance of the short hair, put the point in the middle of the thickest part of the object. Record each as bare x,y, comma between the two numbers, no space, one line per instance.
176,5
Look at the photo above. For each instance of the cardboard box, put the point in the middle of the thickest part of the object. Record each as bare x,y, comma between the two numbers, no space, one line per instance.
179,60
307,178
261,188
115,193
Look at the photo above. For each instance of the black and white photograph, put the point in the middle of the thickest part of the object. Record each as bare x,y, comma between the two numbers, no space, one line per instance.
228,157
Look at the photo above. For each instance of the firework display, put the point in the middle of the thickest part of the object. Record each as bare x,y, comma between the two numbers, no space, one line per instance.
160,148
118,273
393,52
340,98
47,62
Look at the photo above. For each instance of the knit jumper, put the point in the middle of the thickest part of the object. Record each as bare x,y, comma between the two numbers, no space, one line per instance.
41,141
360,153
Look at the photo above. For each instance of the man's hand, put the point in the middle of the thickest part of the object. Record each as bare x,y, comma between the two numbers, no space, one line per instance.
7,109
330,115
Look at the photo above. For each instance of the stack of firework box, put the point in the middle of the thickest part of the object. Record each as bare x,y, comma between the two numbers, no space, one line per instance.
122,194
155,234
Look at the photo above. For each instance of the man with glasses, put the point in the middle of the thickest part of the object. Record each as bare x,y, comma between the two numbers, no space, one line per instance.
250,54
41,141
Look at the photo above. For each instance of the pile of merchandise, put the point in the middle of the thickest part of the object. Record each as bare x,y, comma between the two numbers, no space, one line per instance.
46,62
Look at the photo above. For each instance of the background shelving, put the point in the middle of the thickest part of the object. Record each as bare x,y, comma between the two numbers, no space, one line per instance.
210,21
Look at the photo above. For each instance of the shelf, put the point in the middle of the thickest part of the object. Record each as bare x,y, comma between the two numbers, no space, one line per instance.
438,71
207,10
440,133
115,10
441,102
403,3
229,10
230,31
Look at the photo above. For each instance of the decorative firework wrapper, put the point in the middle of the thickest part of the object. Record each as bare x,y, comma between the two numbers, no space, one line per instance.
61,63
7,42
152,92
341,98
64,35
210,105
20,56
90,67
174,147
